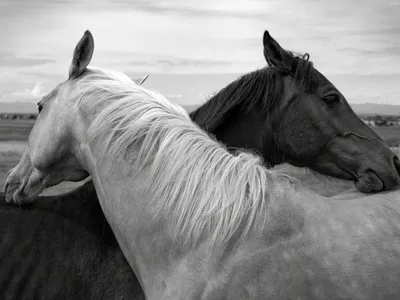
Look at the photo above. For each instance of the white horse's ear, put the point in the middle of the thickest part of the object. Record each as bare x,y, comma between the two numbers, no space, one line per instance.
139,81
82,55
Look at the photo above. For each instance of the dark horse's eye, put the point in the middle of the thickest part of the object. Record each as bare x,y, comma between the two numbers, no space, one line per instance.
331,100
40,107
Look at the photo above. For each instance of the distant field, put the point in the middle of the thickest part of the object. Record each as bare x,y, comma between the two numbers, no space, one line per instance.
14,135
391,135
15,130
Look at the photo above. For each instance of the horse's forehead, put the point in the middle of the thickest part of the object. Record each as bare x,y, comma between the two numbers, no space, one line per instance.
318,80
53,93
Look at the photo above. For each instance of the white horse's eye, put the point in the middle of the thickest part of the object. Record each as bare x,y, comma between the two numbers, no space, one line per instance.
40,107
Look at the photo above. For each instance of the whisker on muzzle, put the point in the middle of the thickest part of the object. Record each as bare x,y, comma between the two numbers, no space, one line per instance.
6,183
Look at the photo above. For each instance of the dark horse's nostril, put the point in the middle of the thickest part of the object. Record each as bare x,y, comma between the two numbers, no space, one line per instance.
397,164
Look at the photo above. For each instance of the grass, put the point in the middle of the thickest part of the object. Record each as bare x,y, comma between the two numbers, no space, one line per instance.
14,135
15,130
391,135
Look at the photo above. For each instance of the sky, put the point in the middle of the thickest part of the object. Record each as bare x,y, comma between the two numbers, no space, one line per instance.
193,48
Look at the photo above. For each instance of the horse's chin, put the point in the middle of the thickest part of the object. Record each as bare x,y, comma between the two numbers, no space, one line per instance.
23,193
21,199
369,182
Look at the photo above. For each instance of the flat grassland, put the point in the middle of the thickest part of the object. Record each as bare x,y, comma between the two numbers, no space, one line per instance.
14,136
391,135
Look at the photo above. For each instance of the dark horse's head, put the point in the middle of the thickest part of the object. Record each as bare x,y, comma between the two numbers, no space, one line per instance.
290,112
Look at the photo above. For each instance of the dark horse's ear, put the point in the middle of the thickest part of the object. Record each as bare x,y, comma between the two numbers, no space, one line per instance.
82,55
275,55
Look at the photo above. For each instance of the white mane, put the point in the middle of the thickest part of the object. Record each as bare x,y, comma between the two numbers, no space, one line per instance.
193,178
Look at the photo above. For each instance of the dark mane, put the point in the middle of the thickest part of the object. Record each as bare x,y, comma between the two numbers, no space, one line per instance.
261,88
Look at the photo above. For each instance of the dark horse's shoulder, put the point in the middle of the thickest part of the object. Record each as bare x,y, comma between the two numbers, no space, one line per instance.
80,206
35,240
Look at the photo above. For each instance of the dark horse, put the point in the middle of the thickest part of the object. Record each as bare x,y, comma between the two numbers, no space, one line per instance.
288,112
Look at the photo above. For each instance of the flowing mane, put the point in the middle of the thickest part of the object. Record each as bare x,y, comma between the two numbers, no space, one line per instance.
261,88
193,178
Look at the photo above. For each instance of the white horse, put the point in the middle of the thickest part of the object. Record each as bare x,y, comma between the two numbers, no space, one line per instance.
193,220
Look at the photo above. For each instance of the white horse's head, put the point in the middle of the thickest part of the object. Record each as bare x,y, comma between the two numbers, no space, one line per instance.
48,158
53,149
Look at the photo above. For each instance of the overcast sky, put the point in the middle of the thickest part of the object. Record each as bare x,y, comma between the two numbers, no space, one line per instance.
192,48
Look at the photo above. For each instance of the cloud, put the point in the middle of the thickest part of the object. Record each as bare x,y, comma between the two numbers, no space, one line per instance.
174,96
197,8
191,62
195,37
33,94
13,61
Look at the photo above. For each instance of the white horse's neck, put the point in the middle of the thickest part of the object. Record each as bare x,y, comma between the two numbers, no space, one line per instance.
146,238
141,238
124,208
147,243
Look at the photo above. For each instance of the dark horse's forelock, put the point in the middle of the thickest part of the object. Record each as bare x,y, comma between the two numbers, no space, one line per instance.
261,88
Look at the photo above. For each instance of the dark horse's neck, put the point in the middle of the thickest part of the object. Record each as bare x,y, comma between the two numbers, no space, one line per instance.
240,115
